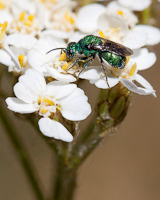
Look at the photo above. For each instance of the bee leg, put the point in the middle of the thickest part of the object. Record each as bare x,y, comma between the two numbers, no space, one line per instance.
85,65
104,69
73,64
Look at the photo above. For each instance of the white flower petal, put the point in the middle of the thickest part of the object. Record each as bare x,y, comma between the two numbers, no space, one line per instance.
153,33
5,16
130,18
132,87
101,83
76,36
143,58
137,5
30,85
37,56
87,17
75,106
14,58
37,60
19,106
60,89
107,21
140,79
59,76
5,58
90,74
54,129
67,4
28,6
19,51
134,39
47,43
21,40
56,33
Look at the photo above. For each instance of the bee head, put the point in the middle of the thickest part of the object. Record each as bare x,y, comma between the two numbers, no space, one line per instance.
71,50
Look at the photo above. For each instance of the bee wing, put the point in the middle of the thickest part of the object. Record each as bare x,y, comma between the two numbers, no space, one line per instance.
113,47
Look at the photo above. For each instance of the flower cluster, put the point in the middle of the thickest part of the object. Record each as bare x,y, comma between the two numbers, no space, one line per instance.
31,28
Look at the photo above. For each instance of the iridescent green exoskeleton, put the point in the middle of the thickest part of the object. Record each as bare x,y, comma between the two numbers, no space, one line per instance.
90,46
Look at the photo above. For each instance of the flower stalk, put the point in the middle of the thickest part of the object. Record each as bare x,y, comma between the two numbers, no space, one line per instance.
65,181
111,109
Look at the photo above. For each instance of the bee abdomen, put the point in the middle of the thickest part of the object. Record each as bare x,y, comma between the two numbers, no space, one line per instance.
114,60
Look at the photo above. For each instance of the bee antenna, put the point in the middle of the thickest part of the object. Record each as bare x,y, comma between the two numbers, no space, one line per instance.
56,49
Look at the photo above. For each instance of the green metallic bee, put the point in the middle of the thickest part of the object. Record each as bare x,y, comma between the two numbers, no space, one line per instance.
90,46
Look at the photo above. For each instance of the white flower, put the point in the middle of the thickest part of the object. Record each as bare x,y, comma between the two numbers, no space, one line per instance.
33,94
136,5
140,60
5,15
52,128
24,23
130,18
20,44
22,16
152,33
7,57
114,28
58,17
50,64
87,17
28,6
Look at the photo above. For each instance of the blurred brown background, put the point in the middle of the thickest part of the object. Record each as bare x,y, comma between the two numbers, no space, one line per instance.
124,167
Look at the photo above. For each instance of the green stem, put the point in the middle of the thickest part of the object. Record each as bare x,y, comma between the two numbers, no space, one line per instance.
90,147
146,15
25,161
111,110
65,182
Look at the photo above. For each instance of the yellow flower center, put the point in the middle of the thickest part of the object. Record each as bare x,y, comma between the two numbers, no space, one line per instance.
127,59
43,111
63,57
101,34
52,1
68,17
49,1
21,18
59,108
1,6
20,58
31,17
133,69
120,12
111,34
65,66
46,100
45,105
3,29
26,21
115,30
125,76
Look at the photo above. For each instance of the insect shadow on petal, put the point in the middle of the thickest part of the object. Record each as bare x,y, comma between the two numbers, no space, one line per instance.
88,47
